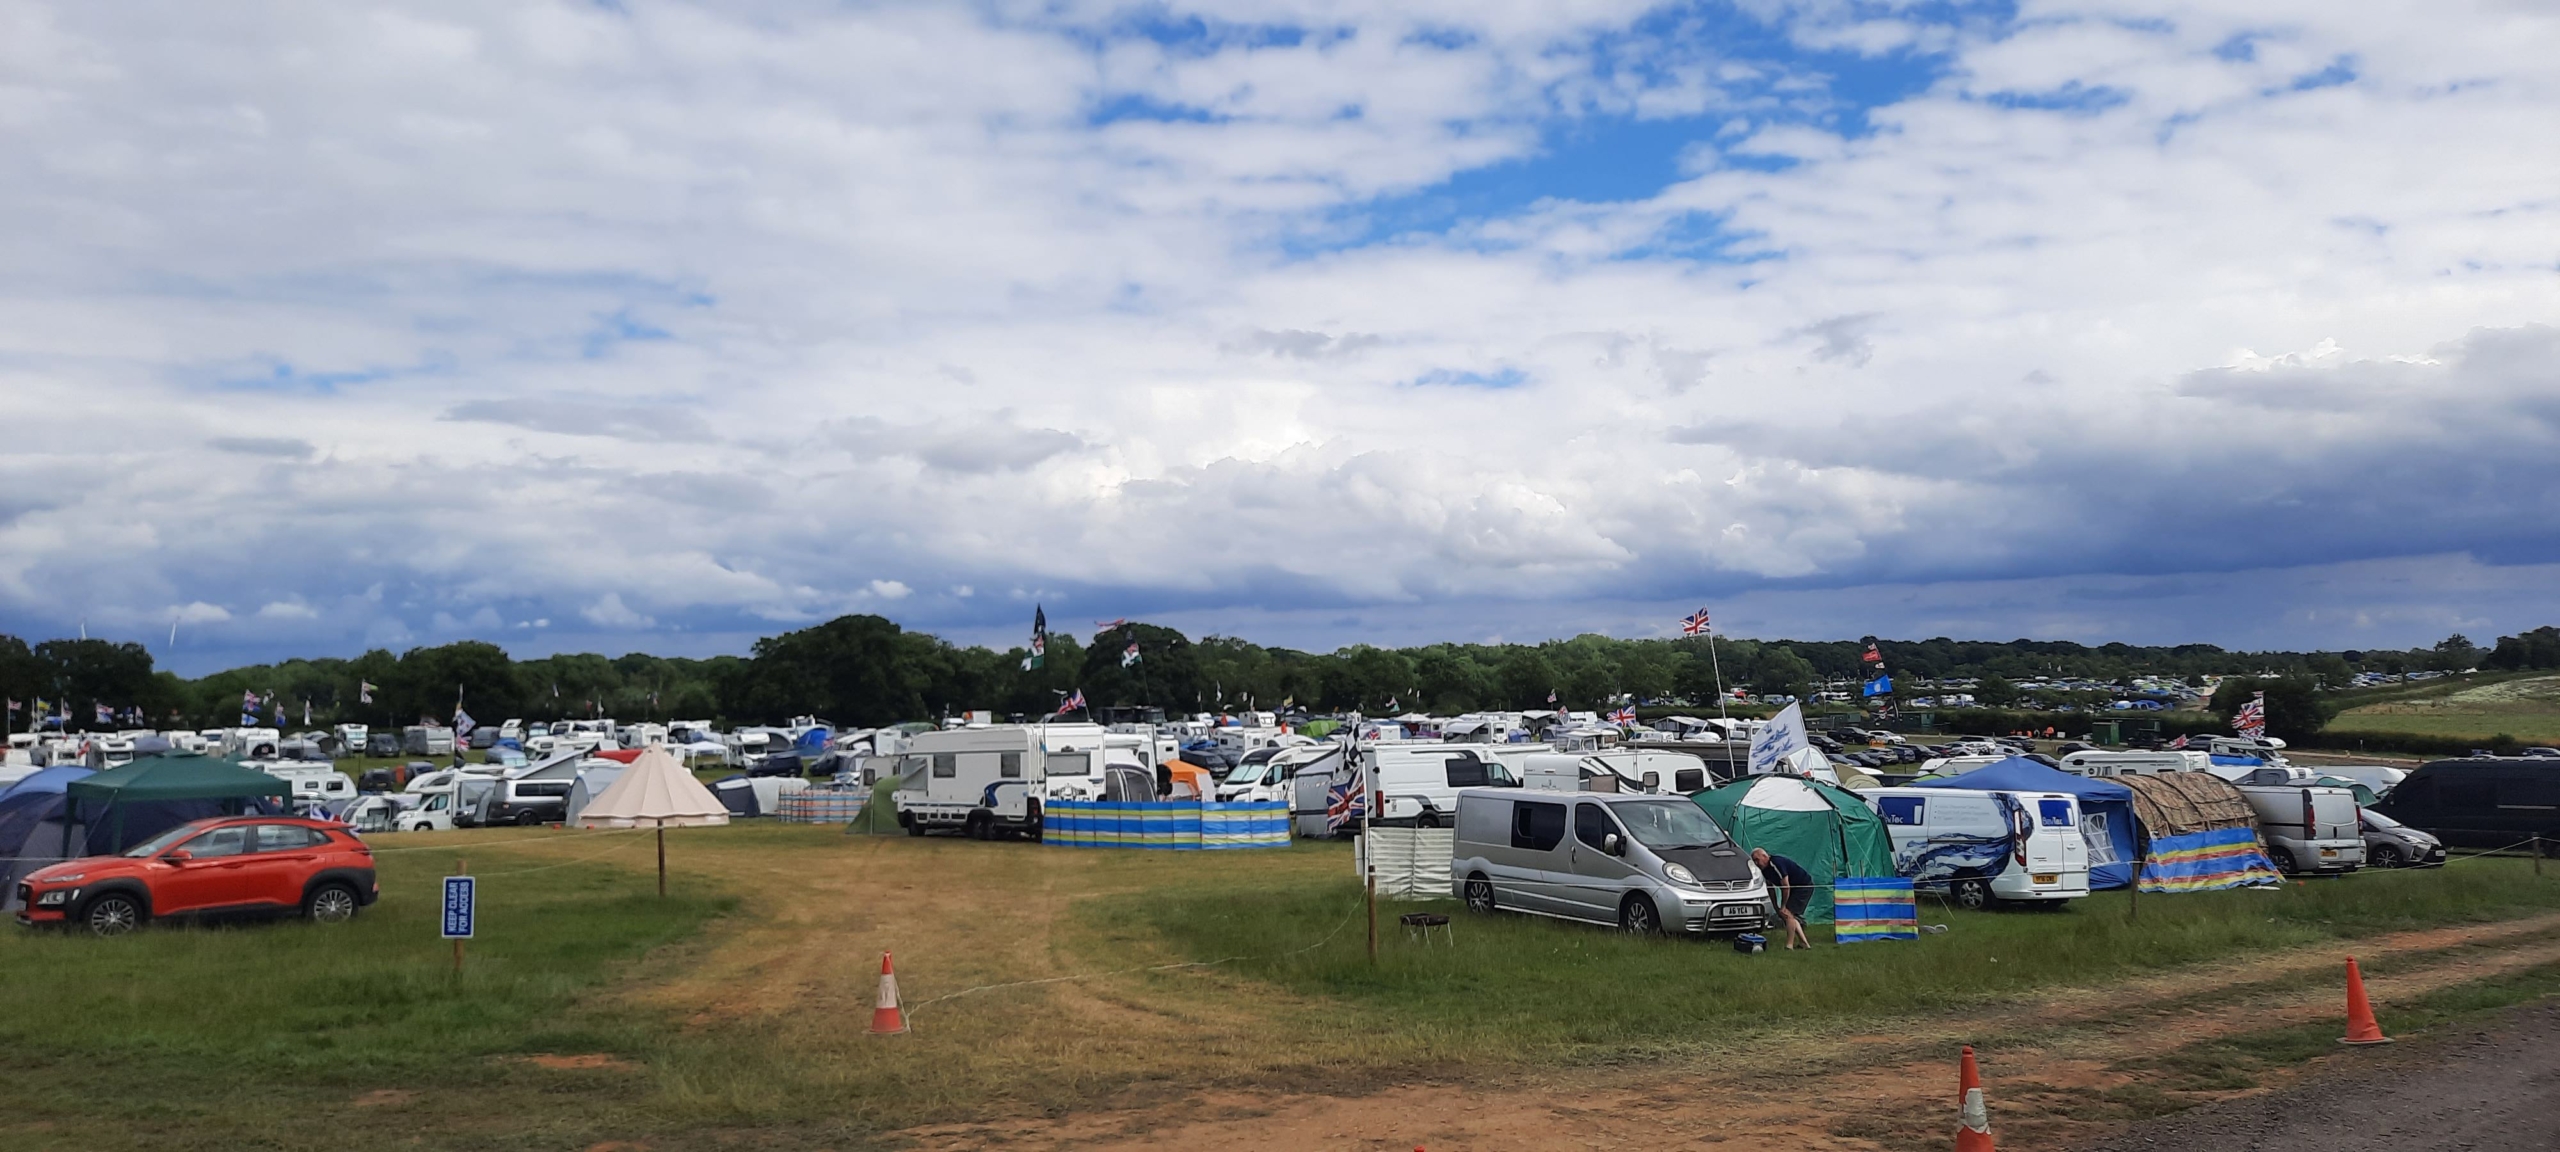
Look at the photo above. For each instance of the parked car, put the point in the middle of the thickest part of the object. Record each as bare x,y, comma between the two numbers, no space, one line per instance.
2389,843
2308,828
1645,863
224,866
382,744
2541,752
525,802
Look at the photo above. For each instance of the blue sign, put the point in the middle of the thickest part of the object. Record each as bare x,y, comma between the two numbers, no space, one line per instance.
459,896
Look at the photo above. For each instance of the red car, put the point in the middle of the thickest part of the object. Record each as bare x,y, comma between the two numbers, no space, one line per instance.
224,866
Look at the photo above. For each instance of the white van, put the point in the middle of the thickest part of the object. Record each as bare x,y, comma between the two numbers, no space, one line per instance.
1966,843
1417,784
1271,773
2101,764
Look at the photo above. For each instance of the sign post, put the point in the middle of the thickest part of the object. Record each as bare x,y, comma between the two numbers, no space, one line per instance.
461,899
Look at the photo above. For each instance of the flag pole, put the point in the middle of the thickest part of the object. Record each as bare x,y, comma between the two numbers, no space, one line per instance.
1718,665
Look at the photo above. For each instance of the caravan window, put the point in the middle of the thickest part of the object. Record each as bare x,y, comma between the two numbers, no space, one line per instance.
1068,763
2055,813
946,764
1537,827
1009,765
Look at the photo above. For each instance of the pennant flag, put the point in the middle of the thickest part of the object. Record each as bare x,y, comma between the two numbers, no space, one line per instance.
1880,686
1039,640
1074,702
1130,656
1551,695
1694,623
1289,701
306,713
2251,720
364,692
248,720
555,689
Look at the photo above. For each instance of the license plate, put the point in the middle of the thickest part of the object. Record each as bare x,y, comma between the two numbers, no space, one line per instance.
2048,877
2328,853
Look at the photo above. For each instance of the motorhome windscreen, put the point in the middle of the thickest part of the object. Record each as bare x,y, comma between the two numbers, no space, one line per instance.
1667,824
1248,772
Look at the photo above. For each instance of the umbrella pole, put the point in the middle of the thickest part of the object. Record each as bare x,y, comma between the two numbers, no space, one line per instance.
662,859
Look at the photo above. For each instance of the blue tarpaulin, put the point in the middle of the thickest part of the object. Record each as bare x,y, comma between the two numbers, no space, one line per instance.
2106,810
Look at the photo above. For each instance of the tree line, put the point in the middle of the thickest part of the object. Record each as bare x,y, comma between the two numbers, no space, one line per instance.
866,670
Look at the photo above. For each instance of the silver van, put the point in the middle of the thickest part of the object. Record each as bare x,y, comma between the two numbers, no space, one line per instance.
1646,863
2308,829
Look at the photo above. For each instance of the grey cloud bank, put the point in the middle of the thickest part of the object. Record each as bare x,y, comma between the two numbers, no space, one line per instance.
677,326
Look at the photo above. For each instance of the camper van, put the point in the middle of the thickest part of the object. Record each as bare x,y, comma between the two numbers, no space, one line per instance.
351,738
426,740
1417,784
2101,764
1966,843
310,781
2308,829
989,780
1268,774
1646,864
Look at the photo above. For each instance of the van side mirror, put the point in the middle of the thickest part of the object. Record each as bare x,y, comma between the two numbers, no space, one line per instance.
1653,781
1612,845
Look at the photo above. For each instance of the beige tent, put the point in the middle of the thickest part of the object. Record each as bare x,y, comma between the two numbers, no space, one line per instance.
655,792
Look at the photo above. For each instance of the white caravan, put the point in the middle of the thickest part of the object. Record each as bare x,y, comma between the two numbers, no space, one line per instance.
994,779
2091,762
1417,784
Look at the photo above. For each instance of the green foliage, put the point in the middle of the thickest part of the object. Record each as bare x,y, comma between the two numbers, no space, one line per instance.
2535,650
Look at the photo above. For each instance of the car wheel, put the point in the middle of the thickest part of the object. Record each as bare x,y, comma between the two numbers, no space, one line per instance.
528,819
330,904
113,914
2282,859
1428,819
2386,856
1479,895
1973,895
976,828
908,821
1636,917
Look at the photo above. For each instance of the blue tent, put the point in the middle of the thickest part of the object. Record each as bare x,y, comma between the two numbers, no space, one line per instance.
31,813
2106,810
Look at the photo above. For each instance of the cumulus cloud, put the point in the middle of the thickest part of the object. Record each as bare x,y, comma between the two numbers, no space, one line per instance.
288,610
746,310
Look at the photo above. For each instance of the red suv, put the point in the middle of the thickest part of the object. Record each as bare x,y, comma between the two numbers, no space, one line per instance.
223,866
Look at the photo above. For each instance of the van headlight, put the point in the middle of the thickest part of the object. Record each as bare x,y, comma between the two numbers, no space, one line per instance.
1678,874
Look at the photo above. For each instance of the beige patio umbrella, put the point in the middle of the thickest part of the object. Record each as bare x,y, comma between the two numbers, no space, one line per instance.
655,792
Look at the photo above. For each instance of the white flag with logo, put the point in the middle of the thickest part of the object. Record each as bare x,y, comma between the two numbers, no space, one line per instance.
1783,736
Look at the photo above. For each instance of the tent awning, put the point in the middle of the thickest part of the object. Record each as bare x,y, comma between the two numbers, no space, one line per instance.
182,777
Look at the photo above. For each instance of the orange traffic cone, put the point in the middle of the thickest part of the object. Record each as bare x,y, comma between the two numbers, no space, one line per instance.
1973,1121
2362,1028
886,1016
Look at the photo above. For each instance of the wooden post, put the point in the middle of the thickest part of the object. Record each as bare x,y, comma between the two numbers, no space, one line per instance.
662,859
1373,911
2537,854
2133,904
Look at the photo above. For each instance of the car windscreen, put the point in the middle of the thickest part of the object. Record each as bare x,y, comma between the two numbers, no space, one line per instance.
1666,824
160,843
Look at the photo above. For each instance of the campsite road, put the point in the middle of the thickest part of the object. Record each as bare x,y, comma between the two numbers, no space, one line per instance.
2489,1088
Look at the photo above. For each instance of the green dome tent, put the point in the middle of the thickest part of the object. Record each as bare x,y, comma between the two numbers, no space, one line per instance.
1827,829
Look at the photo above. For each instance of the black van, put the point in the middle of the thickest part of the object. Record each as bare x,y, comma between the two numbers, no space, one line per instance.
2482,801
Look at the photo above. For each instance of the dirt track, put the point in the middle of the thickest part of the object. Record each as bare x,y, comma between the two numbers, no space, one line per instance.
2059,1078
2493,1088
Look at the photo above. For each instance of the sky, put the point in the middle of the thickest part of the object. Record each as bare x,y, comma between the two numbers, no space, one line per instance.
621,325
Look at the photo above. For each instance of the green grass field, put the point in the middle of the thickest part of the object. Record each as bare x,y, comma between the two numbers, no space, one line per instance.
2527,708
731,1014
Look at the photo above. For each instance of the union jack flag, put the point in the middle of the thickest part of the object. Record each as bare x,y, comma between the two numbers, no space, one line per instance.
1073,703
1694,623
1626,715
2180,742
1345,801
2251,720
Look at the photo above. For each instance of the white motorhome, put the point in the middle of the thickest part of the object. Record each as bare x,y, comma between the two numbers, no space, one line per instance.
1267,774
1966,843
990,780
2092,762
248,743
351,738
310,781
1417,784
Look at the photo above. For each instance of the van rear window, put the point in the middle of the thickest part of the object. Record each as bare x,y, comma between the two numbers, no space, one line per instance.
2055,813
